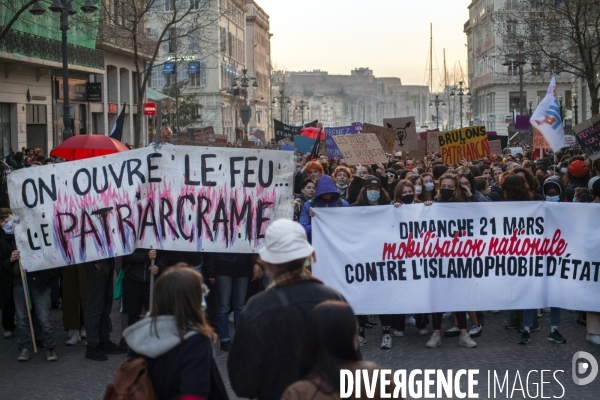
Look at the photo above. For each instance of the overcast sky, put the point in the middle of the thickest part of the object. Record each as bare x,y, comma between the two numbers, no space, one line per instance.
389,36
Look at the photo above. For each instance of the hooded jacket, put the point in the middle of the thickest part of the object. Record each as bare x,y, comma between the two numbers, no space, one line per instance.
325,185
555,182
175,367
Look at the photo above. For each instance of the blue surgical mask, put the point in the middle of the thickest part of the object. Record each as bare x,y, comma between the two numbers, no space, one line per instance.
344,186
429,186
8,227
553,199
373,195
563,170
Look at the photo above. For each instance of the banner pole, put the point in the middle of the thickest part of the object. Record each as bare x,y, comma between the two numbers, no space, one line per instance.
152,263
26,293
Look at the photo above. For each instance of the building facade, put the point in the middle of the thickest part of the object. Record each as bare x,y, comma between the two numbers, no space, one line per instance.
495,87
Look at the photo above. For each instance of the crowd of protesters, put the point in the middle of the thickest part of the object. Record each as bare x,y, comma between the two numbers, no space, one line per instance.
271,299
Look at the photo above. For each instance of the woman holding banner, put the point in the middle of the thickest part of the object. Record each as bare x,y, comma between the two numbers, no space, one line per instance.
373,194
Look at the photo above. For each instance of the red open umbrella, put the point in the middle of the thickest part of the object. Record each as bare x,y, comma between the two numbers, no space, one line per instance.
79,147
312,133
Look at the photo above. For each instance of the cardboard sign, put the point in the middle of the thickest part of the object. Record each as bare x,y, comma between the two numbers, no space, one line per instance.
516,150
495,147
209,199
406,132
361,149
570,140
433,145
539,141
246,144
386,136
332,150
587,134
470,143
418,154
303,144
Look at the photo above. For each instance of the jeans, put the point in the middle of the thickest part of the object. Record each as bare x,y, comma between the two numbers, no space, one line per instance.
226,285
40,299
99,303
554,317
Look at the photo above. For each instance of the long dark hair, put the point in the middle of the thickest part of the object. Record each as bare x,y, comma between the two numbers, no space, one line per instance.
384,197
515,188
329,343
178,292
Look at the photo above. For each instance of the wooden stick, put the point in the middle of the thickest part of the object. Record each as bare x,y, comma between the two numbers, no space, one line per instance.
152,263
26,293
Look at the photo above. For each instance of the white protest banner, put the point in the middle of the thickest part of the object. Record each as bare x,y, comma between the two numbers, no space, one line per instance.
457,256
183,198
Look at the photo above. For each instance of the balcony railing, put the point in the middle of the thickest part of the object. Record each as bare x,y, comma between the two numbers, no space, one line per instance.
488,44
117,36
28,45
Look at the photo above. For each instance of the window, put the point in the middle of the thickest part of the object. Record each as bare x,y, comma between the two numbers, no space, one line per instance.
511,28
197,4
172,41
152,33
171,78
169,5
157,77
224,40
194,41
200,77
156,6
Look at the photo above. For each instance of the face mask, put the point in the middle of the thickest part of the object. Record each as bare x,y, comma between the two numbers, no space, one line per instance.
429,186
408,198
553,199
344,186
447,194
8,227
418,190
563,170
373,195
410,167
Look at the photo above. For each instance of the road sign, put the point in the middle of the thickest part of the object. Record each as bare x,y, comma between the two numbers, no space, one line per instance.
149,108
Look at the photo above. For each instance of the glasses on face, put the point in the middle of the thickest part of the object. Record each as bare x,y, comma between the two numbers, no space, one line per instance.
391,176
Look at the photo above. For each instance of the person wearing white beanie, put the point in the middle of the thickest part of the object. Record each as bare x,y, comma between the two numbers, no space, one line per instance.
267,345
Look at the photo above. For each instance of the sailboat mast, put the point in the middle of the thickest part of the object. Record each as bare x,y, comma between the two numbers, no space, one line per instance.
430,58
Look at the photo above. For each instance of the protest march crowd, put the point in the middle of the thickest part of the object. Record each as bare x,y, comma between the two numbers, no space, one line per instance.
293,334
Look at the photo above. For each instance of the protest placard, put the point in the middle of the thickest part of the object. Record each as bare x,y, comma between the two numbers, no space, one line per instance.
303,144
330,146
515,150
587,134
539,141
386,136
433,145
406,132
285,133
197,137
182,198
495,147
454,256
470,143
360,149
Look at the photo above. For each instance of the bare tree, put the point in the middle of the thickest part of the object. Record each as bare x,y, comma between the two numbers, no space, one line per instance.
454,76
555,37
16,8
281,87
153,28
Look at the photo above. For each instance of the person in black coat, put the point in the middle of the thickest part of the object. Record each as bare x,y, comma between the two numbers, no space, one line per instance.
267,346
176,340
138,269
230,272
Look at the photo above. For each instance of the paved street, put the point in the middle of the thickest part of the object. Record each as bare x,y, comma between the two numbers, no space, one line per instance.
74,377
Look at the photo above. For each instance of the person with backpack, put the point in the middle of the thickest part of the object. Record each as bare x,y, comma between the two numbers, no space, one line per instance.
174,343
267,346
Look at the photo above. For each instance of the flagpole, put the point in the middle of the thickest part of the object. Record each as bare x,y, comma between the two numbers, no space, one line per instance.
28,306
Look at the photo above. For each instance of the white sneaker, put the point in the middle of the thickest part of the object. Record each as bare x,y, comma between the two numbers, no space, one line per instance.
423,332
386,341
410,321
465,340
452,331
82,334
231,318
74,338
475,330
398,333
8,335
434,341
595,339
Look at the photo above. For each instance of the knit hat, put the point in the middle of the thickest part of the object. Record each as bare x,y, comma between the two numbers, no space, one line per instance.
372,181
511,165
577,169
592,181
285,241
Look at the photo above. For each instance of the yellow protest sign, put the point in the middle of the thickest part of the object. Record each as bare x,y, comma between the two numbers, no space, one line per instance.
470,143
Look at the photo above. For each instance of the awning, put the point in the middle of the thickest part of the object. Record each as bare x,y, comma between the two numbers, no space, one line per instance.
155,95
168,68
193,67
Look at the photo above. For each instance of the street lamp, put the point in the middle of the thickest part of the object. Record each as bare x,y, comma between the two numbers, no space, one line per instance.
460,92
560,106
302,106
530,108
245,110
437,101
575,108
282,101
65,9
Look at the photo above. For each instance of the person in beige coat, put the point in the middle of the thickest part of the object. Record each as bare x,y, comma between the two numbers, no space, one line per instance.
330,345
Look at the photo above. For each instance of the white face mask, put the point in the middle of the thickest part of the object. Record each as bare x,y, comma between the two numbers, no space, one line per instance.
418,190
563,170
553,199
429,186
8,227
